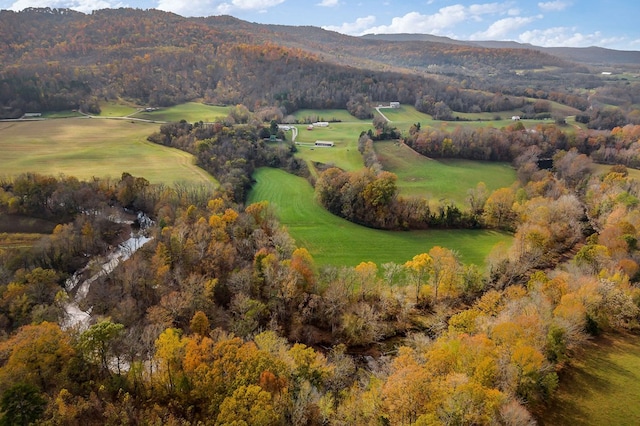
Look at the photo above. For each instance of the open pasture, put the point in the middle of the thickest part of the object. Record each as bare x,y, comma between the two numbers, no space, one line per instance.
405,116
335,241
332,115
440,179
343,154
117,109
600,387
190,111
86,148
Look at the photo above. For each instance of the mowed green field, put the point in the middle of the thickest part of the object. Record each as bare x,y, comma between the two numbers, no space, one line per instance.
405,116
190,111
335,241
87,148
440,179
601,387
343,154
344,134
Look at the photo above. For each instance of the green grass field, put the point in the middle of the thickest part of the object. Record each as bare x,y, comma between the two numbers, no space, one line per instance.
325,115
407,115
335,241
116,109
85,148
190,111
448,179
601,387
343,154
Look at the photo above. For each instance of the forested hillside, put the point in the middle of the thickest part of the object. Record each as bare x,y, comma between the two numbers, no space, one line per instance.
56,59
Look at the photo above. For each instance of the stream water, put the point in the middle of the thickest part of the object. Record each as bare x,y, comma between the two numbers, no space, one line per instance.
76,317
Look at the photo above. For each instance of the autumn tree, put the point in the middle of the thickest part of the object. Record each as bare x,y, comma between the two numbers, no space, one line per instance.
420,267
97,342
248,405
498,209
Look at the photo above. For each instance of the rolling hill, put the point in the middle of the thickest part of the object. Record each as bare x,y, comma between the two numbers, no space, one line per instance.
57,59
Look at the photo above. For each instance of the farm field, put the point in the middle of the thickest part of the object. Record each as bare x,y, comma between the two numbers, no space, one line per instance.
114,109
343,154
87,148
600,387
335,241
407,115
437,179
313,115
190,111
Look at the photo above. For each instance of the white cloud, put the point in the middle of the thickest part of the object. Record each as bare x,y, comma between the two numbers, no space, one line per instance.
255,4
415,22
502,27
439,23
567,37
85,6
554,6
353,28
328,3
486,8
214,7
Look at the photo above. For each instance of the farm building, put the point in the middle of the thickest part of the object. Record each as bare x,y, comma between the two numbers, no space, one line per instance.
32,114
394,104
324,143
515,118
321,124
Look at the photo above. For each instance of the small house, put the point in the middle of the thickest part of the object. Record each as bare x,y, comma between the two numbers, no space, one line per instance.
394,104
515,118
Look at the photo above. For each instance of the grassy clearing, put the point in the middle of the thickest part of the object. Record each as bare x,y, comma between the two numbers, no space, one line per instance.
449,179
93,147
601,386
191,112
314,115
407,115
603,169
343,154
112,109
335,241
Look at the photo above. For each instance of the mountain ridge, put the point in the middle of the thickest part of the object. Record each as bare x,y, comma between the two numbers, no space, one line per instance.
593,55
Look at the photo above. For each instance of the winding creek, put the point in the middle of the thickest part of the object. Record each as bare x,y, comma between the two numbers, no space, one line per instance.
74,316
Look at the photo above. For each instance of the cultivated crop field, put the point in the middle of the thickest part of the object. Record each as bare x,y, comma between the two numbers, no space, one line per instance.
335,241
440,179
601,386
87,148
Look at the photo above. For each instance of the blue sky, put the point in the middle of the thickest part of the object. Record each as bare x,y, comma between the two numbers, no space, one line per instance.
612,24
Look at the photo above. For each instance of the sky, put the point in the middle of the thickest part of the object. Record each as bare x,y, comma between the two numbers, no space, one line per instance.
610,23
